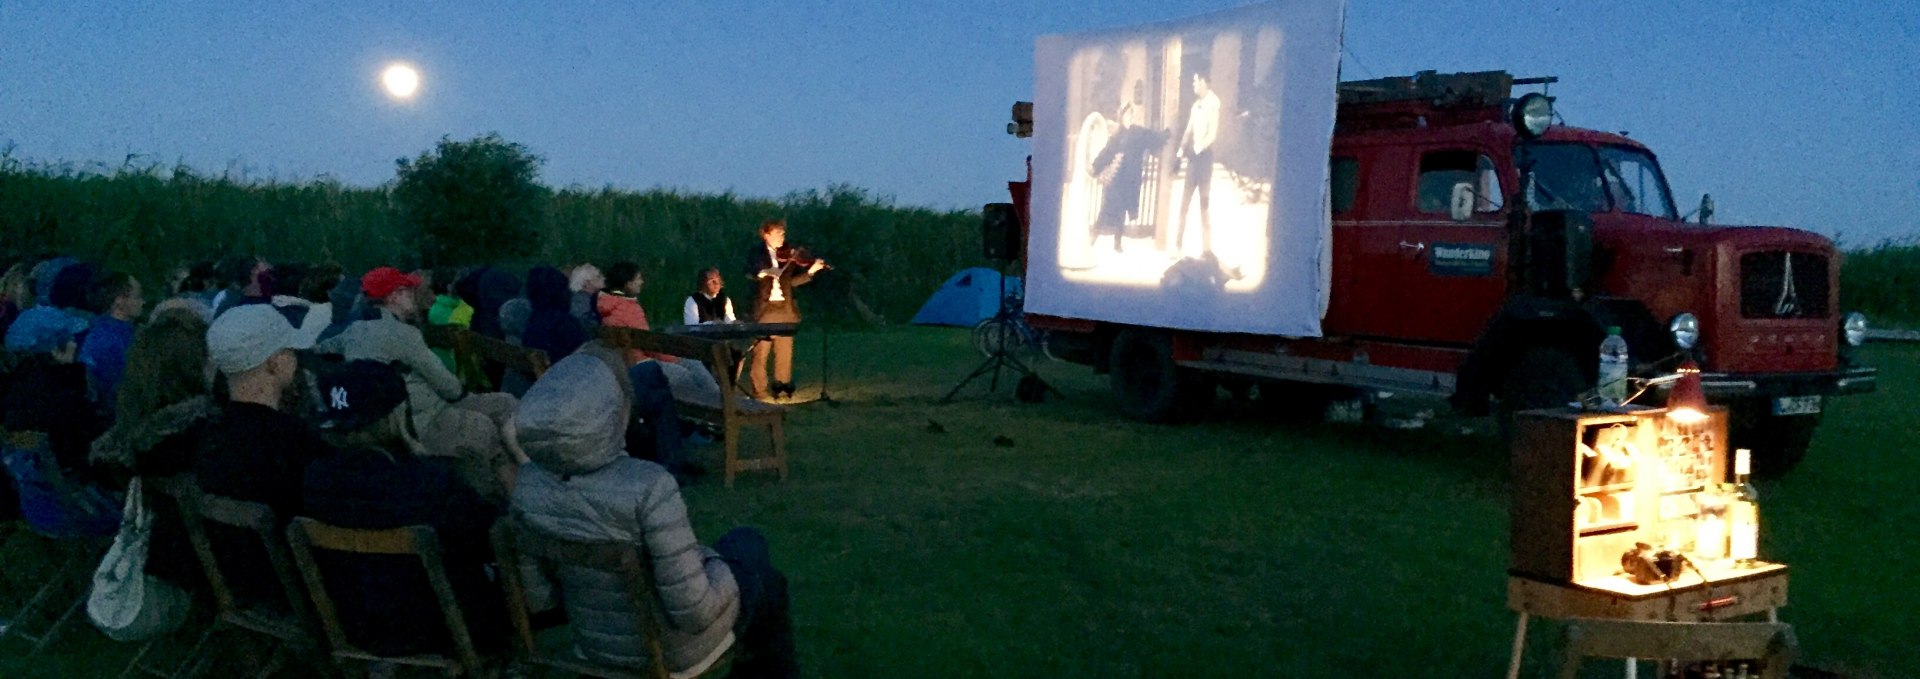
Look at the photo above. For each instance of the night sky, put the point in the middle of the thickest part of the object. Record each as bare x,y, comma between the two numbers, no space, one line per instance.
1790,113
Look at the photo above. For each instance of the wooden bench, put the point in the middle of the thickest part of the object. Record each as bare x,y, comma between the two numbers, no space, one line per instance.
731,411
467,344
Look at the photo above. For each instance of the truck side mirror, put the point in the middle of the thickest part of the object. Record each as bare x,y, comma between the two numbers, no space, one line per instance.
1706,208
1461,208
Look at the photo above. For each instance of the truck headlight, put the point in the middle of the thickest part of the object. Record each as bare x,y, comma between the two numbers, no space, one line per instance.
1686,331
1854,328
1532,114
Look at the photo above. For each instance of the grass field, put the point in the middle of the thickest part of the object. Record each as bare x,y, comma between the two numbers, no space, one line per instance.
1096,547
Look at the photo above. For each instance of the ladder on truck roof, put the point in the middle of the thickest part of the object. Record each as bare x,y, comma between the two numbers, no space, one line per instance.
1481,88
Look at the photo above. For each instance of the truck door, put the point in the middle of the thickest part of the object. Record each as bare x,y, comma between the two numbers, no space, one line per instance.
1452,273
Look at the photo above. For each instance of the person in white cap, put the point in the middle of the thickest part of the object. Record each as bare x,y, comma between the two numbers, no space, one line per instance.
256,451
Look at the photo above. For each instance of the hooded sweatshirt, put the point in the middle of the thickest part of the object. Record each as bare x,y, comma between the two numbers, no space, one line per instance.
552,327
486,290
583,486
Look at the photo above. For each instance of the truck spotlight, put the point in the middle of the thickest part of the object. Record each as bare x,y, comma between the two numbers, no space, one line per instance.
1532,113
1686,331
1854,328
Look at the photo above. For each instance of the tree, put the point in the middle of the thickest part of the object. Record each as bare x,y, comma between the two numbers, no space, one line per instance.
473,202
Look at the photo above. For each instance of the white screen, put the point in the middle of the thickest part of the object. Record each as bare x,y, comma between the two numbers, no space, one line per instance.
1180,170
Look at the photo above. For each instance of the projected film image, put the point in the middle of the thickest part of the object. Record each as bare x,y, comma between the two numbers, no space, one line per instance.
1172,146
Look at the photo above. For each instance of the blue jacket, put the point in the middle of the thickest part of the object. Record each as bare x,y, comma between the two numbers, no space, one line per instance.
105,354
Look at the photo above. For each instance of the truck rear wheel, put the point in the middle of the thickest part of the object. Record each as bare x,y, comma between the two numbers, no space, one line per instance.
1778,442
1146,383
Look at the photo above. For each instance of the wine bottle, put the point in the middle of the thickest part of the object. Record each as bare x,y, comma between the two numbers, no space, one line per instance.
1743,513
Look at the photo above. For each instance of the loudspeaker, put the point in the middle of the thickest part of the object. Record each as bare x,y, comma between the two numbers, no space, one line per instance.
1000,231
1561,245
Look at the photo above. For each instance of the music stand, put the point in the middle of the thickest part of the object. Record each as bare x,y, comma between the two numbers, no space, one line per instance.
1002,357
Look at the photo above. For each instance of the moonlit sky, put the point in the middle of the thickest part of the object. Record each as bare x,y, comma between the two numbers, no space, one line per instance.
1800,113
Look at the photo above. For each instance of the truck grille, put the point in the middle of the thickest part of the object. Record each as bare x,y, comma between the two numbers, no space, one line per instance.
1783,285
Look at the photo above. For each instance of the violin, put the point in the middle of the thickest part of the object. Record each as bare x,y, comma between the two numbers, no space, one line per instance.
798,255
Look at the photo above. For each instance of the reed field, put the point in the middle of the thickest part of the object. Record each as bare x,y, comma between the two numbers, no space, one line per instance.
1884,282
887,258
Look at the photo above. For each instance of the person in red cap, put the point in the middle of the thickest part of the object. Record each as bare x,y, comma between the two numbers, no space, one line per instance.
470,429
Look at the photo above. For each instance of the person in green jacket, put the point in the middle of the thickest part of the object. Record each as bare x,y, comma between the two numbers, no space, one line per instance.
448,309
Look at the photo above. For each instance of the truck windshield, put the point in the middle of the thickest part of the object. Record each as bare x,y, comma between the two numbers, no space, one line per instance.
1581,177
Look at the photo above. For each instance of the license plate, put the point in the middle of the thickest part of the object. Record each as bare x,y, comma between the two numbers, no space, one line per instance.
1796,405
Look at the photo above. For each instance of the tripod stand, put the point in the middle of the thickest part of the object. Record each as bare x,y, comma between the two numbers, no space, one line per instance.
1002,356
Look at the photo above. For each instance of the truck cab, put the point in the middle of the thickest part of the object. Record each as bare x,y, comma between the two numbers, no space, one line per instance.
1480,250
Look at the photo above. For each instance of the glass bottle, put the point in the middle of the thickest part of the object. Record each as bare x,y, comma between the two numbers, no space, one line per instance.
1613,369
1743,513
1710,529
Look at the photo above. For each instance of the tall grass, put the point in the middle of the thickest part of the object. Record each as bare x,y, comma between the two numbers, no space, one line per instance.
148,220
1884,282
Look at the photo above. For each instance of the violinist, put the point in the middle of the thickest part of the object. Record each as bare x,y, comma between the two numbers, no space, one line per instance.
776,272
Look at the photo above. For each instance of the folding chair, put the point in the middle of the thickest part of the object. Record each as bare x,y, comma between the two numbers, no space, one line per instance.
56,604
512,541
307,535
291,628
1768,645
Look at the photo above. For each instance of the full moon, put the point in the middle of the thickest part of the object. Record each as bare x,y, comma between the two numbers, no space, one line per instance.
400,80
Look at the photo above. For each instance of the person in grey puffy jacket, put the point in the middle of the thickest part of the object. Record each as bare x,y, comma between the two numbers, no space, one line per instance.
582,485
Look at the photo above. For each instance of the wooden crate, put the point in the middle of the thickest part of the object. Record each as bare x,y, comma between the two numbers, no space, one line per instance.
1588,486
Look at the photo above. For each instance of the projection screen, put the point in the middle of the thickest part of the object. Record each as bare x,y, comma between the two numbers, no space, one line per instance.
1180,170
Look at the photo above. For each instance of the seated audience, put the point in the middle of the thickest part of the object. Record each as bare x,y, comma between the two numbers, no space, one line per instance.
381,478
551,327
486,289
448,309
165,405
707,304
620,308
467,428
117,296
16,294
47,393
583,486
245,280
586,283
257,449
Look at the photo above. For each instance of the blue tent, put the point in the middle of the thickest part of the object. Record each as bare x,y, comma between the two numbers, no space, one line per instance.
967,298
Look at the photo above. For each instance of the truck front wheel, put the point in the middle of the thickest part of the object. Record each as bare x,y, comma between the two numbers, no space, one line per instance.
1146,383
1778,442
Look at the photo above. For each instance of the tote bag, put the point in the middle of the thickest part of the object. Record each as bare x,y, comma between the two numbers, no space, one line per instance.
127,604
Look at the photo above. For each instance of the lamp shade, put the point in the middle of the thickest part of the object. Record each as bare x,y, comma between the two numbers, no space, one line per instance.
1687,402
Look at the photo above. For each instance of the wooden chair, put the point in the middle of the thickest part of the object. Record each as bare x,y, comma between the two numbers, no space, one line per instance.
306,535
730,412
1770,645
533,362
292,628
513,542
57,603
459,341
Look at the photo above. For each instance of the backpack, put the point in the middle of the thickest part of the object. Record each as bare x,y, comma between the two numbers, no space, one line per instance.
52,505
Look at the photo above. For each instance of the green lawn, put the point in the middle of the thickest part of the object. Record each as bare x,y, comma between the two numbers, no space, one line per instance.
1097,547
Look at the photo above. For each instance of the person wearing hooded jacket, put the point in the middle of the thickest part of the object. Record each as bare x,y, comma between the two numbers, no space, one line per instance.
551,327
582,485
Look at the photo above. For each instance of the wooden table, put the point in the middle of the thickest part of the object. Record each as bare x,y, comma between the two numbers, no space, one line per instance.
1726,592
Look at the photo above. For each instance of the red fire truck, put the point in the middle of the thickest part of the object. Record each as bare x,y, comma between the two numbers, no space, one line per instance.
1479,253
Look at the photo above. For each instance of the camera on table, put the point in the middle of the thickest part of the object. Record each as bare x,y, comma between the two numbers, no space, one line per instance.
1646,566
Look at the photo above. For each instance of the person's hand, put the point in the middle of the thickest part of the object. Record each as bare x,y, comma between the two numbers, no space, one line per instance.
817,266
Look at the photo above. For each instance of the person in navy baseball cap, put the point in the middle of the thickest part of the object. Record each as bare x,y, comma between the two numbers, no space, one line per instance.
356,394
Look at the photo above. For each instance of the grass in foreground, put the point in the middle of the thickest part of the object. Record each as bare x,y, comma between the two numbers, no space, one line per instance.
1098,547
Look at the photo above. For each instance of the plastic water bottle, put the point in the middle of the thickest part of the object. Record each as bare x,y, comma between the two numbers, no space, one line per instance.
1613,368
